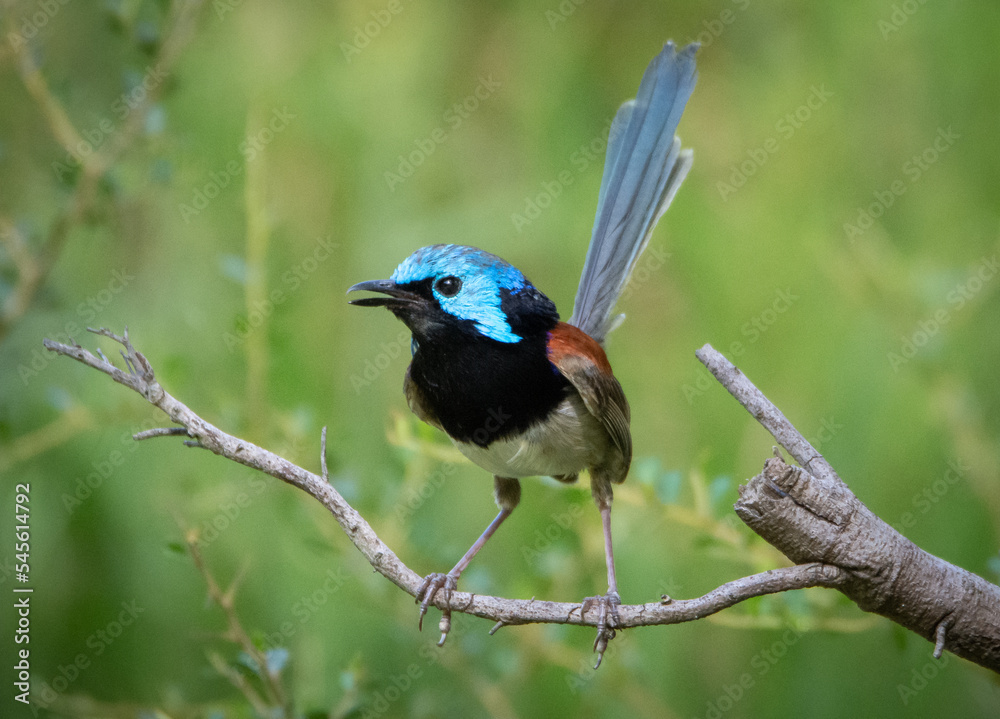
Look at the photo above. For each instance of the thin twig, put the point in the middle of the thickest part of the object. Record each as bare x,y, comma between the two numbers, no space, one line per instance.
160,432
322,456
939,639
271,682
764,411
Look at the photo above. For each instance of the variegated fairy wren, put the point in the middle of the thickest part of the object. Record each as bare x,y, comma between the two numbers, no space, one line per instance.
520,393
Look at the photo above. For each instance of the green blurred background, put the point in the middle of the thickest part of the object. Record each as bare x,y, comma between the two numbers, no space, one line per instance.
245,162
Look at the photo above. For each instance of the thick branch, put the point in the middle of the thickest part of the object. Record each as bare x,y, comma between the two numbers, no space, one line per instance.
140,377
812,516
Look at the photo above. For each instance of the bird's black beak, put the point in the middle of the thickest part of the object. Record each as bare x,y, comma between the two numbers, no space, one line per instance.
397,296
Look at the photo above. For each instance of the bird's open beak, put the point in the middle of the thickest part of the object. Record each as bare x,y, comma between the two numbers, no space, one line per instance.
397,296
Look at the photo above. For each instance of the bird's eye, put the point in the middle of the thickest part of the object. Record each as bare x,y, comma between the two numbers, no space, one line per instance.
448,286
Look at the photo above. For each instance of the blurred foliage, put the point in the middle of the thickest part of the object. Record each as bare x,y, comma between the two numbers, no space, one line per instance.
215,175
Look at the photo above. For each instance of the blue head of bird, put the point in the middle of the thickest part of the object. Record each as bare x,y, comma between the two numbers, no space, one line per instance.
458,293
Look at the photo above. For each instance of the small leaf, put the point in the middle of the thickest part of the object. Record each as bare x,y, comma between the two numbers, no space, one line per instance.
277,659
147,36
247,665
156,120
646,470
234,267
116,15
668,487
59,398
161,171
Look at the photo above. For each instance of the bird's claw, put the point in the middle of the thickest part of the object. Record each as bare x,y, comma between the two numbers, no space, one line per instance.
607,607
429,588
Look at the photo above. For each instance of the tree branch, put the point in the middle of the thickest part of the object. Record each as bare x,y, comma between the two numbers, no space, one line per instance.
812,516
787,484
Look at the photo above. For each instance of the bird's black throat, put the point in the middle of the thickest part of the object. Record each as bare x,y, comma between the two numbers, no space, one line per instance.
481,390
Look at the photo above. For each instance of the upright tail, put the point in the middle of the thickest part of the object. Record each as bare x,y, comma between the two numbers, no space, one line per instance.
642,172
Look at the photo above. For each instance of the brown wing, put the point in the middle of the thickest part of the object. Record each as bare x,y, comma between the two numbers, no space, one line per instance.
583,362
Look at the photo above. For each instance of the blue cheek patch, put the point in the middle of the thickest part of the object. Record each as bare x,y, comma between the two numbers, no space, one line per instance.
479,301
482,275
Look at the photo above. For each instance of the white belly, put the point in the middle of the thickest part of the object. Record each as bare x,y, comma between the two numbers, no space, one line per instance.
571,440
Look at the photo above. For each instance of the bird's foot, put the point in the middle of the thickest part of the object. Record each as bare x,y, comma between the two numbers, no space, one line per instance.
607,608
432,584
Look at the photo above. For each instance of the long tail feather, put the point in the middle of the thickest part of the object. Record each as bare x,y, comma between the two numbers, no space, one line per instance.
642,172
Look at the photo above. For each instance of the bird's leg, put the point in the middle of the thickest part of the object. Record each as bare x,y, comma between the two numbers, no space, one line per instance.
437,581
609,554
607,605
507,492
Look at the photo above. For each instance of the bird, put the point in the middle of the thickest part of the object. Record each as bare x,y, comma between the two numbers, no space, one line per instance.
519,392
